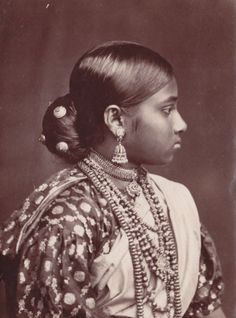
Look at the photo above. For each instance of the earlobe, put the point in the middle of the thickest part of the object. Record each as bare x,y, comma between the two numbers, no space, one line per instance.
113,119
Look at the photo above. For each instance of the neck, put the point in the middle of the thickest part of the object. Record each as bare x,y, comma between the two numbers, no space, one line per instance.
107,153
125,179
113,169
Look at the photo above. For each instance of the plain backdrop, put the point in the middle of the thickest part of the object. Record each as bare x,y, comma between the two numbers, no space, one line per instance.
41,40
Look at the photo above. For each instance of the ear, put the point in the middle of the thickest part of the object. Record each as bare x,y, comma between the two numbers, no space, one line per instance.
113,118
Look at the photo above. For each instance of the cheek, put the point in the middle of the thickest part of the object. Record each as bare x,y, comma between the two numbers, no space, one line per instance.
156,138
151,127
133,131
144,123
134,127
148,130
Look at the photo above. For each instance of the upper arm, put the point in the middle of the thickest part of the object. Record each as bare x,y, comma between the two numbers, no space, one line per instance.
208,296
54,270
218,313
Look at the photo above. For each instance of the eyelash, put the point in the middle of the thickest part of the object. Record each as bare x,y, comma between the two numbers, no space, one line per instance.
167,110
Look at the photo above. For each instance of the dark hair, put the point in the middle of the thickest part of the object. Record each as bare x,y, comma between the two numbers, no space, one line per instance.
120,73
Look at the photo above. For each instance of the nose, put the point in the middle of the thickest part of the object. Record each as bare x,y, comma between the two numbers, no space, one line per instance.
179,124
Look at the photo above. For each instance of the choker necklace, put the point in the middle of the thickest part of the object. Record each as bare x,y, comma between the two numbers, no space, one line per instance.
130,175
112,169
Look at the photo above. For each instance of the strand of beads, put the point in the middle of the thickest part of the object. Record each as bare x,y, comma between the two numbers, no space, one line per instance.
157,259
125,206
167,241
134,250
153,229
139,232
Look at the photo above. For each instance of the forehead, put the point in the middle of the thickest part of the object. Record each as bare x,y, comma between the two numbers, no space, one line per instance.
168,93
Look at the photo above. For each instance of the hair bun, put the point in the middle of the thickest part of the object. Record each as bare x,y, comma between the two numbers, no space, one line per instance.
60,129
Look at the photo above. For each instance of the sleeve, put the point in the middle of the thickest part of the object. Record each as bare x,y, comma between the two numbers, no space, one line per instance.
210,283
54,278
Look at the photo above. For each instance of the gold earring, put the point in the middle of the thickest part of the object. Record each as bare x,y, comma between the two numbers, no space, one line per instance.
120,155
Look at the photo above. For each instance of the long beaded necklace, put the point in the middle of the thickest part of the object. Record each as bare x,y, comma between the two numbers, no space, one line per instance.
161,260
119,173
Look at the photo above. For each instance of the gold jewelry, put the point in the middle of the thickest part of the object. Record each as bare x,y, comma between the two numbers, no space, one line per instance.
117,172
161,259
120,155
42,139
113,169
62,146
59,112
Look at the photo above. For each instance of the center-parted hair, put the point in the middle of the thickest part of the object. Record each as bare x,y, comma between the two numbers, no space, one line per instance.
114,73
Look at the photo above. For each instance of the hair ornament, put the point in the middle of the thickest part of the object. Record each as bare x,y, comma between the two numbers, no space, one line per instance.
42,139
62,146
59,111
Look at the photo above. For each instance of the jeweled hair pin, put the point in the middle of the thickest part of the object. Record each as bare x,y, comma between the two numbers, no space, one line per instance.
62,146
59,112
42,139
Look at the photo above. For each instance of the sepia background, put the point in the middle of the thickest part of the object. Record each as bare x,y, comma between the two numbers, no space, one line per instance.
41,40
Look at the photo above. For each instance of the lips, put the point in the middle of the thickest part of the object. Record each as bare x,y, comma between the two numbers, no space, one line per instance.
177,144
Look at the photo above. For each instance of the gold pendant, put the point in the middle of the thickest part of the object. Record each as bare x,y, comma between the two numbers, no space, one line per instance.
133,189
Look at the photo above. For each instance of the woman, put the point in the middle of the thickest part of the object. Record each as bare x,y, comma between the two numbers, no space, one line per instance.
106,238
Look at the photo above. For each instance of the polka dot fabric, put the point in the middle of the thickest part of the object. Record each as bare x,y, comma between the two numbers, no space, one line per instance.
51,242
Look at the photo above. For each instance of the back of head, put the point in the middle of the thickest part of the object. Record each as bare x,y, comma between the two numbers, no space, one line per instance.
114,73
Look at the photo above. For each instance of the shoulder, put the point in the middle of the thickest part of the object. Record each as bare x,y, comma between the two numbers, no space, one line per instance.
170,186
52,203
76,203
177,195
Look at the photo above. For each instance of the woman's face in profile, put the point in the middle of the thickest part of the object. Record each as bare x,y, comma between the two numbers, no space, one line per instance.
154,128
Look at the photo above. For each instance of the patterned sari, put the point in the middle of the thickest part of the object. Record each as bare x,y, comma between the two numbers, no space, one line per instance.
63,254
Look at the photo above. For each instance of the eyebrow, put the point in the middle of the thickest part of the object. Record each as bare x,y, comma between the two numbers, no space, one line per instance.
170,99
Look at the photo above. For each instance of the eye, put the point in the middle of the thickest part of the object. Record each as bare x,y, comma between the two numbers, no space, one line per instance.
168,109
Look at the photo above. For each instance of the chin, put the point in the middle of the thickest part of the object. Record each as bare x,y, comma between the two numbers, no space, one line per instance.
160,162
152,160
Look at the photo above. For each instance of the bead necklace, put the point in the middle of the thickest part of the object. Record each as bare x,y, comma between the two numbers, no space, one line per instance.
173,287
113,170
161,260
117,172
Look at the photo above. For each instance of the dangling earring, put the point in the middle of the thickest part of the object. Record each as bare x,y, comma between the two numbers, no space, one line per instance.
119,155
